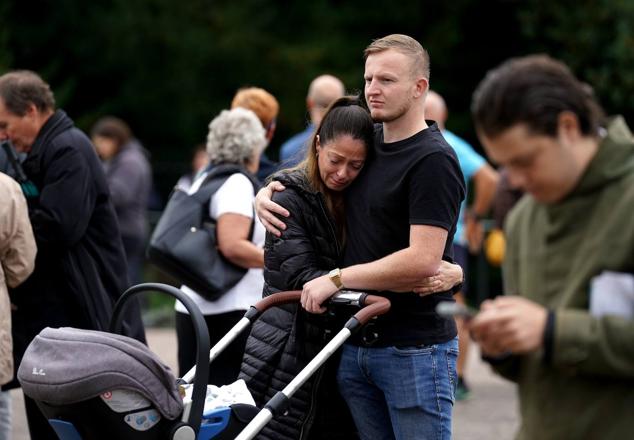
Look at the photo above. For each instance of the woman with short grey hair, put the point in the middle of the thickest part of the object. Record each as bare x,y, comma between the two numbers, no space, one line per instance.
235,137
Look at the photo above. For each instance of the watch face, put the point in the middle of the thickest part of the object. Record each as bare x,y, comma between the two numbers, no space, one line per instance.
335,277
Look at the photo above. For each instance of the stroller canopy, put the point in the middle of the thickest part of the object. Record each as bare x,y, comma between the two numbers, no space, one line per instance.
68,365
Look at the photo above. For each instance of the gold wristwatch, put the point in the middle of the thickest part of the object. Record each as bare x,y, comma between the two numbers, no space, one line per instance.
335,277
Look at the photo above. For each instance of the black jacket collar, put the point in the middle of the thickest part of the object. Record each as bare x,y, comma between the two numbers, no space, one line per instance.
55,125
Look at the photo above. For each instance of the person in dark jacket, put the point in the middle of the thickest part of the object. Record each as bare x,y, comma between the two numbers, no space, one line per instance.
129,179
286,338
80,268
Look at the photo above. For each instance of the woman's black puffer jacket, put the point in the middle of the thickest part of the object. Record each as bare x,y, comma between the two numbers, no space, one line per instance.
284,339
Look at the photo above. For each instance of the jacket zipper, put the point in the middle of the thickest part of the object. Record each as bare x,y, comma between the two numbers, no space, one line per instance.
322,205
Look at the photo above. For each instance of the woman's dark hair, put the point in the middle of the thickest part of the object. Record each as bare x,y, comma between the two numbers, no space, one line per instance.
347,116
112,128
533,90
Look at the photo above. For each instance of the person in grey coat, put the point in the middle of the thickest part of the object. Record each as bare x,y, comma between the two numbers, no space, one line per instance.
129,179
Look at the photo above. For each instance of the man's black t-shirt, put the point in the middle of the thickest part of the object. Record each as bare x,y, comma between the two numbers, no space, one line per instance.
416,181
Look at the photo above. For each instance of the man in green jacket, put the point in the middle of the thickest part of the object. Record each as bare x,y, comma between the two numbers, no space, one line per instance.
565,330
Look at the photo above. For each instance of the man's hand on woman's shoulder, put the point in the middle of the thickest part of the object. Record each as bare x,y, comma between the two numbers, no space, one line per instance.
266,208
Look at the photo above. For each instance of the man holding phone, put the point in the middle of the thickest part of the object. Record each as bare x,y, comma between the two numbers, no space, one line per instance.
566,335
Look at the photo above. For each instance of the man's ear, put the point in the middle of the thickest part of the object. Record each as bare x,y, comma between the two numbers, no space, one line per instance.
568,127
421,87
31,110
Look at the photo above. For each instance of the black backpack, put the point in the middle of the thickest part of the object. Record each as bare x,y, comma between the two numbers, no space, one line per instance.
184,243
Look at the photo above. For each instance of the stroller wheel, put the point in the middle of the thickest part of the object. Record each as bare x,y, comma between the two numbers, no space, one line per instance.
183,432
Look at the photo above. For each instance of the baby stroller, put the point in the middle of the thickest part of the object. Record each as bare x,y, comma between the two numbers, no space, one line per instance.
95,385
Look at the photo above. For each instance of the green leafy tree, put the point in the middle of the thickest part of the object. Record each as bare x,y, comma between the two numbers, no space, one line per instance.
168,67
594,37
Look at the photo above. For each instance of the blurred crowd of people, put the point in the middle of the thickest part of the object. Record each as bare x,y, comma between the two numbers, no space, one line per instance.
376,194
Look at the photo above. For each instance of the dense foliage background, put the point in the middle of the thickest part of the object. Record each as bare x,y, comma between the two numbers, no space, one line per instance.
168,67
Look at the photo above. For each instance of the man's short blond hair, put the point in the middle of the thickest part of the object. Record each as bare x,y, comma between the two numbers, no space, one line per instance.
260,102
405,45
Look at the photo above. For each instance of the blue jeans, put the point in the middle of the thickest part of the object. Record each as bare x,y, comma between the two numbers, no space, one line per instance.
402,393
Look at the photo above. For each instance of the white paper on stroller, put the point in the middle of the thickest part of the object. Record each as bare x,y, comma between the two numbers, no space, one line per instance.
124,400
217,397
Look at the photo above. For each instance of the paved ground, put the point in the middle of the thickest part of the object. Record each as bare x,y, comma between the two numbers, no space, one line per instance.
491,413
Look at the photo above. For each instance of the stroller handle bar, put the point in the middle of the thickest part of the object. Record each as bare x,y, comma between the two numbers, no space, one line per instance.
277,299
343,297
349,297
372,306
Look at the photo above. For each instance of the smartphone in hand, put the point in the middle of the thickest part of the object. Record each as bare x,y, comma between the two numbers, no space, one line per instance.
450,309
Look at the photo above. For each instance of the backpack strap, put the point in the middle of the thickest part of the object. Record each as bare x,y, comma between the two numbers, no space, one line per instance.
218,175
